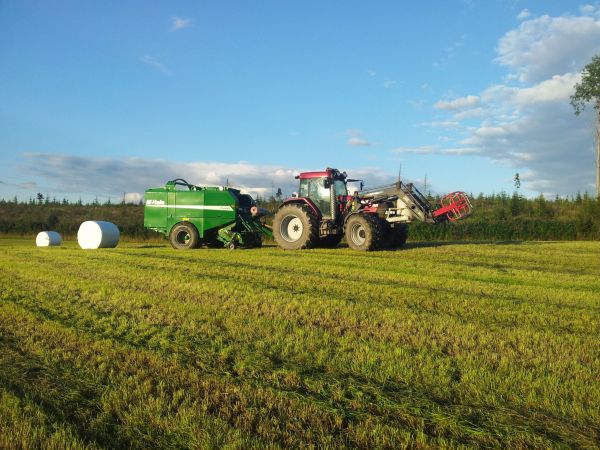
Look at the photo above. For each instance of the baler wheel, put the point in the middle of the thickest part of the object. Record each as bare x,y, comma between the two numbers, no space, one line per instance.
363,232
295,227
184,236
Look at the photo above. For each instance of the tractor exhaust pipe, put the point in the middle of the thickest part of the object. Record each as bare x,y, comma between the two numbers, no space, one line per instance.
333,202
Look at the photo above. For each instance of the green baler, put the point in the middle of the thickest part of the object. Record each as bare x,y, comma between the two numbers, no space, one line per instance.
190,216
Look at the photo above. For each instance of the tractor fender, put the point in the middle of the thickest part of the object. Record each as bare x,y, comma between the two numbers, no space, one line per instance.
302,201
361,212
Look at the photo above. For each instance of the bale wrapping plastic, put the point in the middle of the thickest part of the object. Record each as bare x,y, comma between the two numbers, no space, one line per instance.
98,234
48,239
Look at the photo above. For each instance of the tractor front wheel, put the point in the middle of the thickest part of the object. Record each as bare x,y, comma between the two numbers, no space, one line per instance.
394,237
184,236
363,232
295,227
399,235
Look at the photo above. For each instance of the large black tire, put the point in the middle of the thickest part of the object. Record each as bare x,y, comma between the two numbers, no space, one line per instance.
399,235
394,236
184,236
295,227
363,232
330,241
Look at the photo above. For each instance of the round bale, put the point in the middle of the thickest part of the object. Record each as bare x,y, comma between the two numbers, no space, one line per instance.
48,239
94,234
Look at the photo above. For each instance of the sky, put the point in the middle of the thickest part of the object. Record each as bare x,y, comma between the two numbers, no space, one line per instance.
105,99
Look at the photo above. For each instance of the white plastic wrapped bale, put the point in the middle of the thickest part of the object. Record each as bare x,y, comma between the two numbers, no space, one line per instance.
48,239
98,234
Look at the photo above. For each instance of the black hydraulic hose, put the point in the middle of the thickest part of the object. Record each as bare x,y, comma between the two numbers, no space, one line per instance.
181,182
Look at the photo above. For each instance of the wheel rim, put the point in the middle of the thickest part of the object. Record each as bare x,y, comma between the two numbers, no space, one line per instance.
291,228
358,234
182,237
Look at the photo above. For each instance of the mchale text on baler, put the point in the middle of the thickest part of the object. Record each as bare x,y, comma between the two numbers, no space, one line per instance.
323,212
191,216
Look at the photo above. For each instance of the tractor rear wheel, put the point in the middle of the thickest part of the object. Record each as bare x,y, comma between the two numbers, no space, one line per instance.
295,227
363,232
184,236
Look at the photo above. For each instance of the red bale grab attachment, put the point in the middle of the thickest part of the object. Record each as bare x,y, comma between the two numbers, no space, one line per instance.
454,206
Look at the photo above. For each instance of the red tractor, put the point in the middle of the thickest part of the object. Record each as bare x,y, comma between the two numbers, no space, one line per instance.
324,211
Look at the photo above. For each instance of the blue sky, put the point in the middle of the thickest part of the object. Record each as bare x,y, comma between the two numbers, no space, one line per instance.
101,98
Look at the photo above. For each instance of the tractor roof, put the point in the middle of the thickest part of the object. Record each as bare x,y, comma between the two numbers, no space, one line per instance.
329,172
314,174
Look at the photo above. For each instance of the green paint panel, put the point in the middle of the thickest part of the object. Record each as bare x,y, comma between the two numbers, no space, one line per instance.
211,210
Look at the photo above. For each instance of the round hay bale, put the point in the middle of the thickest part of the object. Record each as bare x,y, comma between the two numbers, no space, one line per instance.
94,234
48,239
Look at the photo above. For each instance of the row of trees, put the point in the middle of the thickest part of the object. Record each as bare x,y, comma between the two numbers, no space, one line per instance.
41,199
495,217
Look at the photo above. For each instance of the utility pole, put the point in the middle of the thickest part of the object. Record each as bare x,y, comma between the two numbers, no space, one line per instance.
425,185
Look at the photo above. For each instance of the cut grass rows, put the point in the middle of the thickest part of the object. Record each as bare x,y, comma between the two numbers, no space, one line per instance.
432,346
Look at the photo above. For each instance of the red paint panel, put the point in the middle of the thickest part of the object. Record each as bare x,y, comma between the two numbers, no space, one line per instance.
304,175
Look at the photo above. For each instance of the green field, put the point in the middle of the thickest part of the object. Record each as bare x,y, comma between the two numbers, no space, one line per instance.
142,346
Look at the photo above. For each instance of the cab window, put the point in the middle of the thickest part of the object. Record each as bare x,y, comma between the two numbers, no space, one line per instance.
340,187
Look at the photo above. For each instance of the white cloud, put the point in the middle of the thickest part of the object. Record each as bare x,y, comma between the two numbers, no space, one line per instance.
417,104
446,124
422,150
133,197
524,14
113,176
527,122
556,89
356,139
371,73
588,9
179,23
434,150
545,46
470,114
388,83
458,103
154,63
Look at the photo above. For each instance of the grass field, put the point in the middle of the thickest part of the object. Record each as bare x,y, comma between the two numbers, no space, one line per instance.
452,345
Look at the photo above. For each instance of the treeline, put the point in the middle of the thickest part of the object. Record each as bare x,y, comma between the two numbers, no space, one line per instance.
495,217
64,217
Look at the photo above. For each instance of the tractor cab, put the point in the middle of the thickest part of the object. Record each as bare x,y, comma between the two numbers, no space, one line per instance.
325,189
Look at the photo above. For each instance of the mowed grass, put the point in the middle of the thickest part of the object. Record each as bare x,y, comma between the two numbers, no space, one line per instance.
142,346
